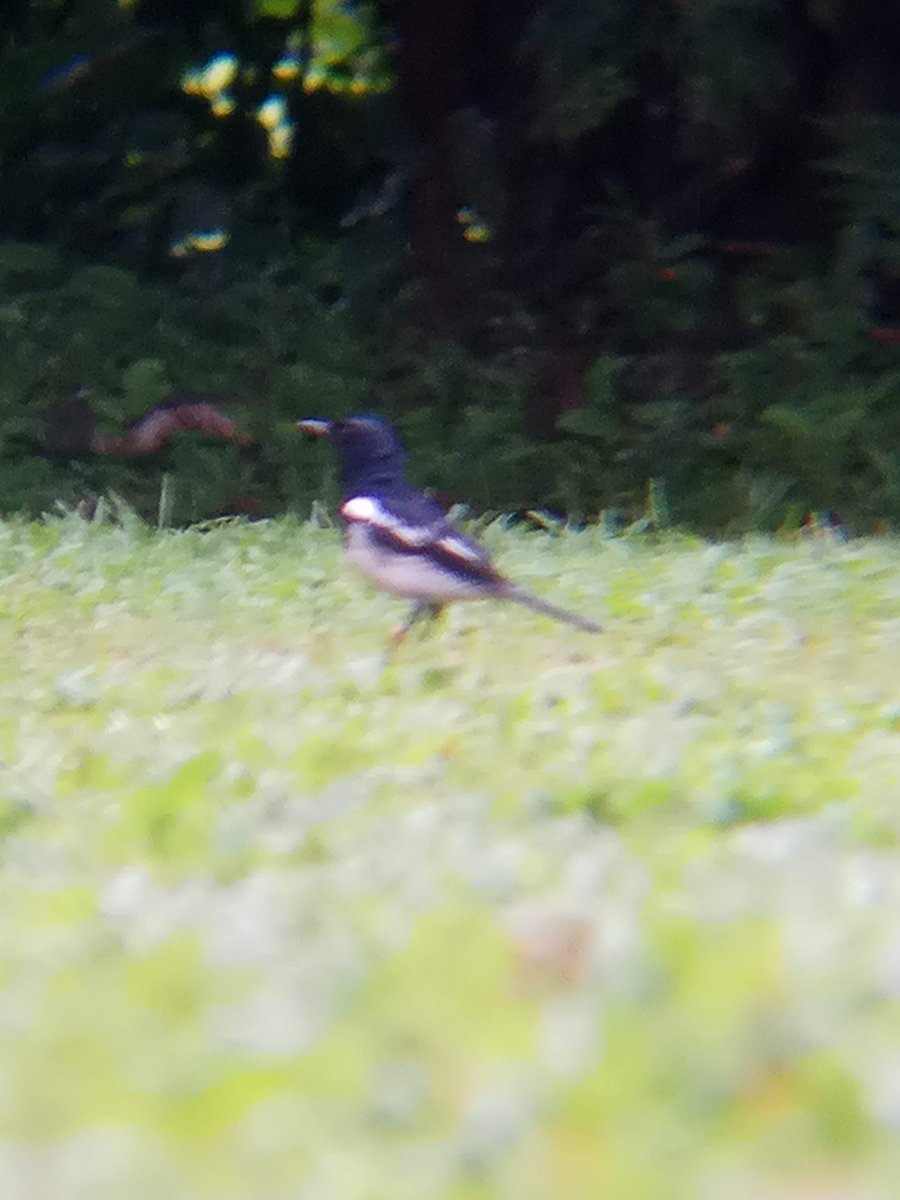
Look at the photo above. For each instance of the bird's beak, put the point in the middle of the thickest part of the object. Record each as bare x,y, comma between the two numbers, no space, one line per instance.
314,427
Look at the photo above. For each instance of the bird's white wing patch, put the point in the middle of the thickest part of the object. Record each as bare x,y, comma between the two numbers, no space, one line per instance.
369,511
462,549
360,508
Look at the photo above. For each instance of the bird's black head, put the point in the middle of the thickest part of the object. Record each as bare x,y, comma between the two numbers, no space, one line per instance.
372,455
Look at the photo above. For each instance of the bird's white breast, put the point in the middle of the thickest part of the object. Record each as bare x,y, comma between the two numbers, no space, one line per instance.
410,574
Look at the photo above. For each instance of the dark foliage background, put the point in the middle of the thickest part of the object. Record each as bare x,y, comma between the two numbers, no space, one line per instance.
585,252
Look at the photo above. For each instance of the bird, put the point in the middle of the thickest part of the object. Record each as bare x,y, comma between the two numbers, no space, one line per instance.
401,539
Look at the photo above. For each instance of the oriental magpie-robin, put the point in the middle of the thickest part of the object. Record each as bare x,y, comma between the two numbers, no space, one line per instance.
401,539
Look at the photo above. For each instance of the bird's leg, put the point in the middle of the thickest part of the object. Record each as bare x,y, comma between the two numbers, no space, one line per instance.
421,610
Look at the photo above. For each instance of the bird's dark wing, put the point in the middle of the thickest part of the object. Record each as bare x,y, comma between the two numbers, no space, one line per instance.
412,524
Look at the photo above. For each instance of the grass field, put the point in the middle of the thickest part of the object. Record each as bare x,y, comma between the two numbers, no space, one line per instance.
520,913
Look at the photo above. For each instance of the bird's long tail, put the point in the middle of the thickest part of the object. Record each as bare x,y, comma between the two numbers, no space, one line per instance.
520,596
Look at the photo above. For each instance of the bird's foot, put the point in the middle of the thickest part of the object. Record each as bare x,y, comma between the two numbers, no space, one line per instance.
422,610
